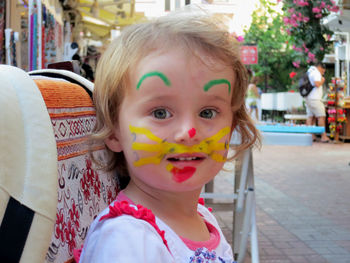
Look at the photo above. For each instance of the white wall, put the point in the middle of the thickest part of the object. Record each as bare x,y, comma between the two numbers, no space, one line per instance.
281,101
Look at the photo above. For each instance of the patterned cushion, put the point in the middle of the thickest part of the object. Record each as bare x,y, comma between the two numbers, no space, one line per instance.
83,191
49,189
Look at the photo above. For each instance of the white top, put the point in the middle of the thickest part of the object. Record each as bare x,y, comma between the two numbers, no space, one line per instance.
315,75
128,239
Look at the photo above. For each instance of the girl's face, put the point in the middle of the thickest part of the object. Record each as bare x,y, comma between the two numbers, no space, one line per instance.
175,120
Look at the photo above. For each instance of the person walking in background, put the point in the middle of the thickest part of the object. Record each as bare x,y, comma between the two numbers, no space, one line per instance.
253,96
85,69
314,106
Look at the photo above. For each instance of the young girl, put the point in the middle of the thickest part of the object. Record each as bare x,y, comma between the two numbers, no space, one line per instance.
168,94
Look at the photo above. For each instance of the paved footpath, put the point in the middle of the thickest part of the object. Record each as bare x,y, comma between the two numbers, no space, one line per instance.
303,203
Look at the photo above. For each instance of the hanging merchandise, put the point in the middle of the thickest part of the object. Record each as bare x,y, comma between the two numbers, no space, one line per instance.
45,44
24,42
336,114
35,34
34,51
2,30
59,41
43,36
32,36
11,38
50,47
52,38
13,51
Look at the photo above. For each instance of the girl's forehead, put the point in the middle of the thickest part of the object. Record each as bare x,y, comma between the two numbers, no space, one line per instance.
168,79
188,56
171,66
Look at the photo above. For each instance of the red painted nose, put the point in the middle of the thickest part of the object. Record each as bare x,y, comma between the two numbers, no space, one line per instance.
192,132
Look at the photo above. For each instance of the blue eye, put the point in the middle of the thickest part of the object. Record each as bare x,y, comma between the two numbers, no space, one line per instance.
208,113
161,114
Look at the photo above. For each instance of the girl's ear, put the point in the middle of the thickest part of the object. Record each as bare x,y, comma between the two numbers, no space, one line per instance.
113,143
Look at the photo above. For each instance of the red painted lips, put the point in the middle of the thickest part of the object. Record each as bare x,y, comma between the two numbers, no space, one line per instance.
182,174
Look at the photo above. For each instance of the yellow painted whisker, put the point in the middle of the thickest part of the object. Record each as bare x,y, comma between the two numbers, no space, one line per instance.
147,147
144,131
207,146
169,167
148,160
218,157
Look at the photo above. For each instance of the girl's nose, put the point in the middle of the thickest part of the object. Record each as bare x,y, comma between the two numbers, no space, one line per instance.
192,132
187,134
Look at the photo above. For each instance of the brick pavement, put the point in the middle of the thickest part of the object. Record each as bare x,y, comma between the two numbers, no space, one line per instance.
303,203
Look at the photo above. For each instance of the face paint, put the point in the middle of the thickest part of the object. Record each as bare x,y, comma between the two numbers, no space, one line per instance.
192,132
151,74
181,175
214,82
208,146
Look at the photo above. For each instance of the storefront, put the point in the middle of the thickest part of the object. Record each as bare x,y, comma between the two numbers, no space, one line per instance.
33,33
338,96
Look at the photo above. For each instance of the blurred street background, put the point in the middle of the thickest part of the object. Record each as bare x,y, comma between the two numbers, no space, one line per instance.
303,203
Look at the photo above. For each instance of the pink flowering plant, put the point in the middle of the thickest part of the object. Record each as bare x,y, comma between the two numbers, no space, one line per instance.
303,22
274,47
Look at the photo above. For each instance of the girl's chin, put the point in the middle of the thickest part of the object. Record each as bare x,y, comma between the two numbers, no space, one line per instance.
182,174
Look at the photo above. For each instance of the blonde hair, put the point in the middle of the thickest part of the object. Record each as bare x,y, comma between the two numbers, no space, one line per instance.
191,33
255,80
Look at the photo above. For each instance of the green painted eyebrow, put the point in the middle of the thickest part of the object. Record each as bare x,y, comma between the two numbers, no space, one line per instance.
217,82
151,74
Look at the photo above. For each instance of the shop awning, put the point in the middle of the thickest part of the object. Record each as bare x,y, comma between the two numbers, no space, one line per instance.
99,17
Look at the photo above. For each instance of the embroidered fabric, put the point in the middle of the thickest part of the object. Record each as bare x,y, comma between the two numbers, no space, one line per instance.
83,192
212,243
139,212
138,240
